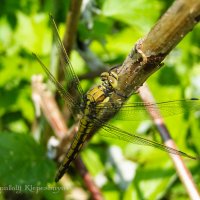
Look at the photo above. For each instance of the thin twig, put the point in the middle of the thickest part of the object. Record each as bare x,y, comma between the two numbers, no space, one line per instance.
44,100
71,25
71,29
91,75
93,62
96,194
183,172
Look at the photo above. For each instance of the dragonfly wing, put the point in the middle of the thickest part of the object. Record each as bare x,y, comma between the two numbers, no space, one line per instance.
72,80
66,96
138,111
110,131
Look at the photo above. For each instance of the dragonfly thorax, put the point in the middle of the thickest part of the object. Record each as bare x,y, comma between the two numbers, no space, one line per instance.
96,95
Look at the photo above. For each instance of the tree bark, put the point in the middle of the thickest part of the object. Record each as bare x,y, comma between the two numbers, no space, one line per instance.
147,55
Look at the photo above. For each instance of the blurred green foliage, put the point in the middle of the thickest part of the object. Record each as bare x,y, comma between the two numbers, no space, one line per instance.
109,28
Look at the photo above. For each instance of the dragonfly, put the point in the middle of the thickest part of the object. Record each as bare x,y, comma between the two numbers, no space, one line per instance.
94,109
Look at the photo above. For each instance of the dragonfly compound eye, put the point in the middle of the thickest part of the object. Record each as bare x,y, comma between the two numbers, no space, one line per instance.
110,79
114,75
104,76
113,79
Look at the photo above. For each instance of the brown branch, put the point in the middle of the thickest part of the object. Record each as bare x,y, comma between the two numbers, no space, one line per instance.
44,100
88,180
70,31
71,25
183,172
146,57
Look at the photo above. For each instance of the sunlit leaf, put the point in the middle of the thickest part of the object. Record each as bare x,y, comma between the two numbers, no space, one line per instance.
24,161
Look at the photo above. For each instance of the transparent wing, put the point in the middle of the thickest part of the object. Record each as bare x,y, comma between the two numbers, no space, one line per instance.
66,96
137,111
72,80
110,131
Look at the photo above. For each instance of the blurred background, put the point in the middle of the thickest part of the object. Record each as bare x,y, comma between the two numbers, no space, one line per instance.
106,33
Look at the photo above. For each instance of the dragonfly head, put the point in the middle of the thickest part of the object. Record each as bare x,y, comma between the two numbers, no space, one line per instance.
109,79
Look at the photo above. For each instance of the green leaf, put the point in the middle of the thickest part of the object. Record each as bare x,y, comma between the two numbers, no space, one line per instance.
155,176
35,38
133,12
23,161
92,158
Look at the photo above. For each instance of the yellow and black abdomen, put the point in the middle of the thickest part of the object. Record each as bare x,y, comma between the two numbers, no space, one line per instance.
76,146
86,128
